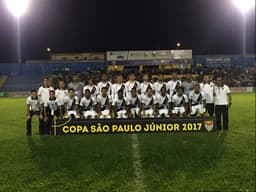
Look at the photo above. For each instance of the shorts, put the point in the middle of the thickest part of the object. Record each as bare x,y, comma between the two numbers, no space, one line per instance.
90,113
163,112
197,109
105,114
122,114
177,110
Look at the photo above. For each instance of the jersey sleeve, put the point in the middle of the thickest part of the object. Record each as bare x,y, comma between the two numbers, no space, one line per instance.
28,101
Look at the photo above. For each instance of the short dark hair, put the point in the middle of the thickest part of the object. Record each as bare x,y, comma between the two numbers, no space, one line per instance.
104,88
52,91
71,89
45,78
33,90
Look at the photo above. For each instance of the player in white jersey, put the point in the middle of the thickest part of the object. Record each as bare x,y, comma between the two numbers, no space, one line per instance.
71,105
173,84
104,83
162,101
159,84
131,83
51,109
197,101
34,108
179,103
148,104
119,85
44,91
92,87
77,85
133,102
145,84
207,87
104,102
61,93
119,105
87,105
188,84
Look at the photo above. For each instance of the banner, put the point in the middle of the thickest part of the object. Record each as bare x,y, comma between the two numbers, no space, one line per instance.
122,126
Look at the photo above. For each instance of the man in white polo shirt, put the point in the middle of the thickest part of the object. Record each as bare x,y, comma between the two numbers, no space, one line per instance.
222,103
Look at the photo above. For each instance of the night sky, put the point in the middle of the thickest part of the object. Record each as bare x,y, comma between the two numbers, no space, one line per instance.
206,26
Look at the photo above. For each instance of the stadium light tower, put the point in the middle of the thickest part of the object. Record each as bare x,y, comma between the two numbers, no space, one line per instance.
244,6
17,9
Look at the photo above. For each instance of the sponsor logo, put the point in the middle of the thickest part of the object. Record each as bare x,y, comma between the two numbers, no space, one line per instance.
208,125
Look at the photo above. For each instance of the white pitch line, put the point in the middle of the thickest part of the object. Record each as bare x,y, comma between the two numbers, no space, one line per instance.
137,167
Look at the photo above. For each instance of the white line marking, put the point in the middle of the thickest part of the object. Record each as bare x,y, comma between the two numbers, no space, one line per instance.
137,167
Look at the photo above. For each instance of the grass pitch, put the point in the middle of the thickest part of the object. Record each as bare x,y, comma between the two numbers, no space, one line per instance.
177,162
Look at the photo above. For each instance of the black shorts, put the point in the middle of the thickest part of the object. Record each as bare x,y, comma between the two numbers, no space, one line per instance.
210,108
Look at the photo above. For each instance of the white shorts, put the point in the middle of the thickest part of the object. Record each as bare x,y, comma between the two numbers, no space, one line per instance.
105,114
163,112
90,113
122,114
149,113
73,113
177,110
135,111
197,109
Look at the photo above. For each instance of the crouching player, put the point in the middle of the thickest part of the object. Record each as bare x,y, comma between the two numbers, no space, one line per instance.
34,108
133,102
120,105
71,105
197,101
87,105
148,104
104,104
162,101
52,108
179,103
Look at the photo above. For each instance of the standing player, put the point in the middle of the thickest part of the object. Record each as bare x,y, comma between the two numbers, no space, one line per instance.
173,84
120,105
34,108
159,84
162,101
61,94
179,103
223,102
71,105
207,87
51,110
87,105
188,84
44,90
197,101
77,85
92,87
119,85
130,84
104,102
133,102
145,84
148,104
104,83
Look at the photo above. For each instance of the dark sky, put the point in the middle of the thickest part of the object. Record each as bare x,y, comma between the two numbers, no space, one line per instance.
206,26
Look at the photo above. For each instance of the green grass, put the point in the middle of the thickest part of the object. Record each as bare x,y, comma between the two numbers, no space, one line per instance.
178,162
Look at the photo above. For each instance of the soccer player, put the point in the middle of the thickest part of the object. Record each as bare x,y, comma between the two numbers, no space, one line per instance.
131,83
77,85
158,85
148,104
188,84
119,85
34,108
120,105
51,110
145,84
71,105
223,102
173,84
207,87
61,94
92,87
104,102
133,102
162,101
87,105
179,103
104,83
197,101
44,90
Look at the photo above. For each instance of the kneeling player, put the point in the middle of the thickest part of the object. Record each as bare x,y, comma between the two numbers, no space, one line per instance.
71,105
34,108
162,101
179,103
51,109
120,105
148,104
87,105
104,104
133,101
197,101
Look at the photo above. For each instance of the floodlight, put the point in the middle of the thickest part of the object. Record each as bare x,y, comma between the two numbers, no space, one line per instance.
244,5
17,7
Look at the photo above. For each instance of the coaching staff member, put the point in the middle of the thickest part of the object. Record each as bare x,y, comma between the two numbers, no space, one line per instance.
222,103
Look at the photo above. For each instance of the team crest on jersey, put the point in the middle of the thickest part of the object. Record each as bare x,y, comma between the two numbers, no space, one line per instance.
208,125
